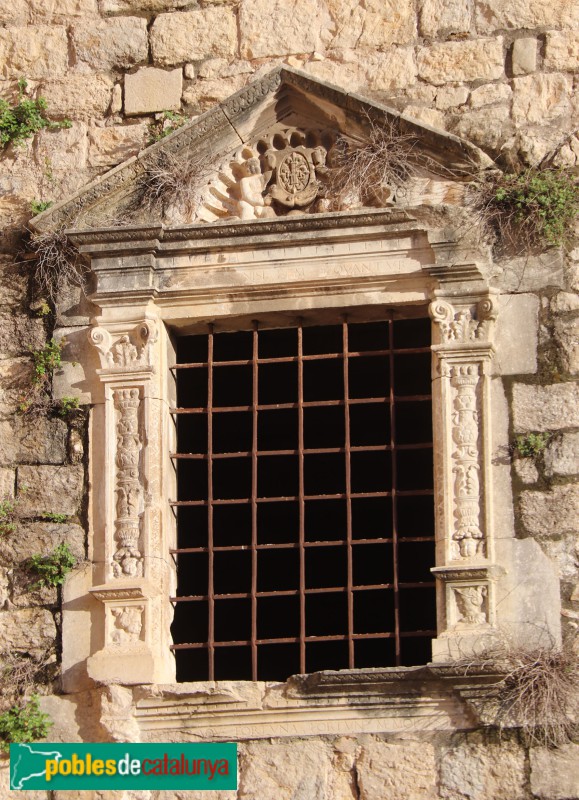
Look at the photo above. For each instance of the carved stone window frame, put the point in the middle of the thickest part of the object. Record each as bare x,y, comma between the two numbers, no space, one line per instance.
152,282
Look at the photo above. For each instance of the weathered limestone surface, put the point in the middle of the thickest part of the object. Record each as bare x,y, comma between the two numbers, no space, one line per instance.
33,52
551,513
114,42
296,28
567,337
41,537
492,15
517,335
561,456
490,94
524,55
150,89
79,96
544,408
562,51
31,440
397,770
49,489
27,630
268,774
461,61
373,24
538,98
440,18
109,145
478,769
193,35
555,773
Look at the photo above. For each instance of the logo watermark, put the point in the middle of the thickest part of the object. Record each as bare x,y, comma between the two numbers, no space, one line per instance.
207,766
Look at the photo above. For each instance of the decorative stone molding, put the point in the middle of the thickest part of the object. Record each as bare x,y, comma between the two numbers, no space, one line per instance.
127,558
462,326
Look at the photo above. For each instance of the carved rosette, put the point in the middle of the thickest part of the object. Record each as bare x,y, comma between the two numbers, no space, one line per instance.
127,559
467,538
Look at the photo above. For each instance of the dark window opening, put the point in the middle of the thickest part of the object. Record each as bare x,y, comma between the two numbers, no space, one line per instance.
305,508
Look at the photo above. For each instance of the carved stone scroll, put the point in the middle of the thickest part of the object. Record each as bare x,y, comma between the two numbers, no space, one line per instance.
127,559
462,326
128,351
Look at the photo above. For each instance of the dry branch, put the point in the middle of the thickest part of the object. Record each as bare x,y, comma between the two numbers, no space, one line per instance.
57,263
170,181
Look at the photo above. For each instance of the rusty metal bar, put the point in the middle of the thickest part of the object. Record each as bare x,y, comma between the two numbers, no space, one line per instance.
392,408
307,451
254,456
295,640
211,555
347,451
307,404
301,501
294,546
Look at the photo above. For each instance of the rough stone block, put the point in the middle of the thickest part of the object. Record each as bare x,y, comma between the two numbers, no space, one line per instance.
524,56
34,52
79,96
517,334
565,301
561,457
194,35
107,43
15,377
202,94
490,94
33,440
462,61
26,630
61,10
110,146
562,51
397,771
61,148
49,489
555,772
567,337
13,12
136,6
372,24
7,483
150,89
20,333
14,282
541,98
480,770
528,273
351,75
526,470
428,116
543,408
270,772
441,17
391,71
474,126
451,97
41,537
274,28
551,513
493,15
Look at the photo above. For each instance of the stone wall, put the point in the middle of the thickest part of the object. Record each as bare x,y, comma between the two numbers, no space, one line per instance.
495,72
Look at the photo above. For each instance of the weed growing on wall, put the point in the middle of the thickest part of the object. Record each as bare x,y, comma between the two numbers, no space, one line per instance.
67,406
168,122
530,445
23,723
168,182
22,121
56,263
38,206
45,362
7,517
53,568
535,207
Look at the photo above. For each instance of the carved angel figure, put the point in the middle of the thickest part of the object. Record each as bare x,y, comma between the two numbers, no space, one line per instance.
252,204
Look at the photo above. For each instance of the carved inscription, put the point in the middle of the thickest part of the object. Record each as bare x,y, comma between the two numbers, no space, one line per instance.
468,538
127,560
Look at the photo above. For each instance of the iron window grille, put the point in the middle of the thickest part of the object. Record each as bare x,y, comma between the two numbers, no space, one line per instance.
305,499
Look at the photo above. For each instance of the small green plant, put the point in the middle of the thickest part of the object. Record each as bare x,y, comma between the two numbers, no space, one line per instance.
7,517
50,516
45,361
43,309
530,208
23,120
38,206
53,568
530,445
23,724
67,406
168,122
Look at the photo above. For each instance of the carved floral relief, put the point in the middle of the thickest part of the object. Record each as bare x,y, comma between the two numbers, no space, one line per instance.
127,624
127,559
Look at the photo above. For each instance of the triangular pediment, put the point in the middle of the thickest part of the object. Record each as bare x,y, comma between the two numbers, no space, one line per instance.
271,149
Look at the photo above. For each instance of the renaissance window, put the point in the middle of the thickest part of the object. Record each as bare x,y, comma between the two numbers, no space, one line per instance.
305,499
